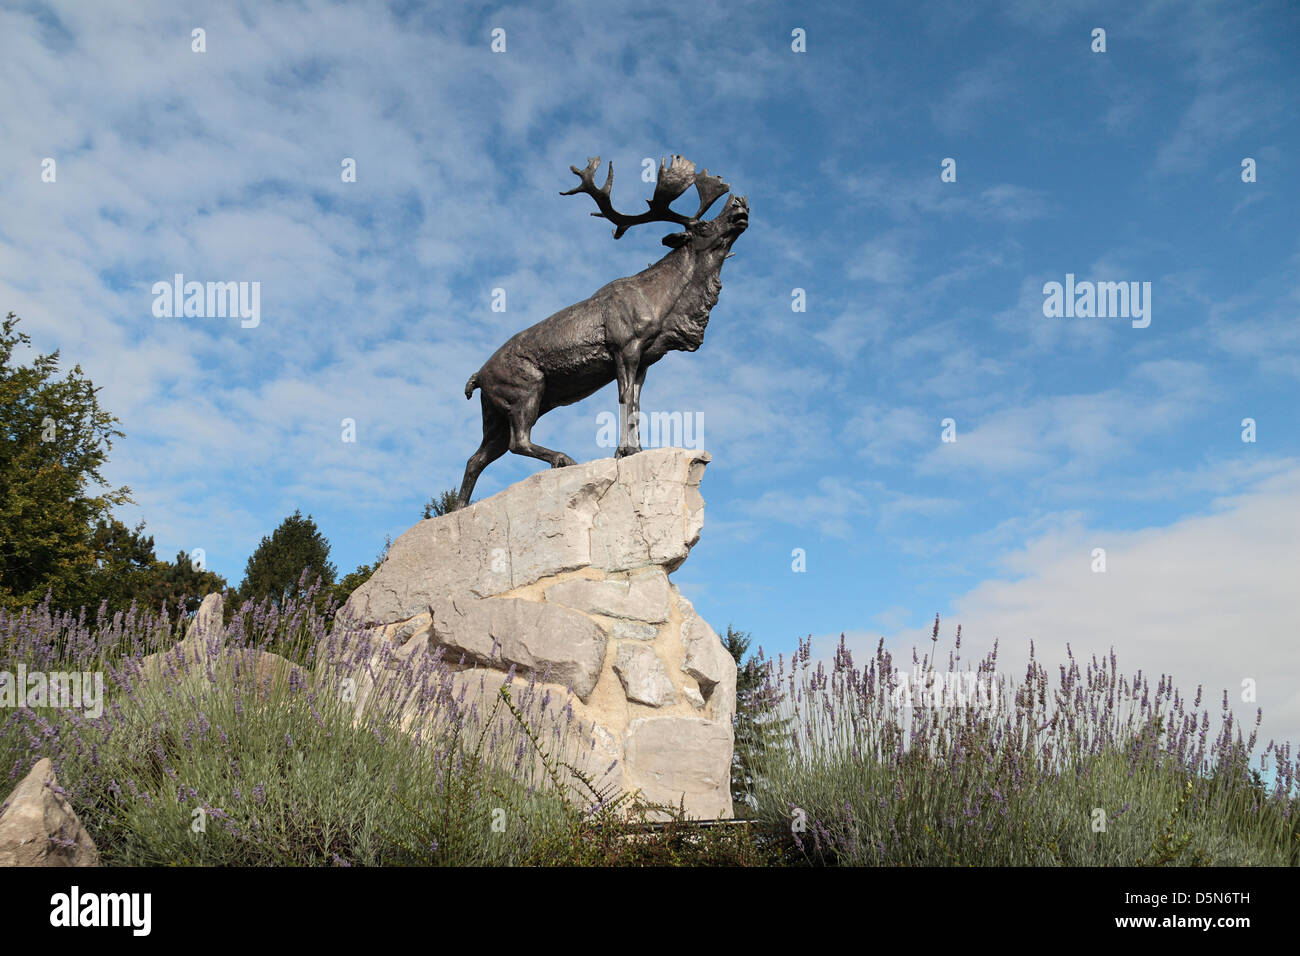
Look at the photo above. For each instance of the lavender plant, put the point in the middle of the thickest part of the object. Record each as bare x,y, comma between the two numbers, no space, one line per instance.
1094,768
239,757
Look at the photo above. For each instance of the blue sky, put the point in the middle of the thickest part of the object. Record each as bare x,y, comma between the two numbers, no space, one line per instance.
924,297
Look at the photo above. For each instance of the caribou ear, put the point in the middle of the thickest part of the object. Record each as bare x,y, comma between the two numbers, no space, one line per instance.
676,240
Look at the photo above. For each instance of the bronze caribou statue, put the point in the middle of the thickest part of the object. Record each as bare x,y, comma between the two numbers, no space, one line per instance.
619,332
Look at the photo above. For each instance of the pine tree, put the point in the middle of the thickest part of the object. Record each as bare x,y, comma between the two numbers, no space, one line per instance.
125,565
759,730
442,504
276,567
179,583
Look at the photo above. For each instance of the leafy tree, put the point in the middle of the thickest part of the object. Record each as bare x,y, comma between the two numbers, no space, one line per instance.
276,566
442,504
759,730
54,501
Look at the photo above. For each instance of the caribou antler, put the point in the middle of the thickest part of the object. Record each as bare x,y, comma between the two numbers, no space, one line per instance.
710,189
672,182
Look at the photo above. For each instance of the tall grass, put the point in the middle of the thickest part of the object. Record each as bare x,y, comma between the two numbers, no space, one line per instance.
1094,768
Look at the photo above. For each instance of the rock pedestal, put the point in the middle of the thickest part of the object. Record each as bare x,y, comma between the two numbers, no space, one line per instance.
563,578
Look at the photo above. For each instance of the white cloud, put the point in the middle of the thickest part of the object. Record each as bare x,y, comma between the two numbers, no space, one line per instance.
1074,433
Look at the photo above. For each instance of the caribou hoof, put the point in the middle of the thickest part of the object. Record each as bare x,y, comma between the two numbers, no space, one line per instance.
562,461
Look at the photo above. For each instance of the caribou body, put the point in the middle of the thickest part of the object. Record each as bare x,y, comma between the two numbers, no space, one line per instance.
619,332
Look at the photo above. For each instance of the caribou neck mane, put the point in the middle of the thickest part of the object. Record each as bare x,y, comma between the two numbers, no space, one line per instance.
701,285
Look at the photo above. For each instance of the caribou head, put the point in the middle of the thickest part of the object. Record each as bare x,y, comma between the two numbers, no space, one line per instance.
673,180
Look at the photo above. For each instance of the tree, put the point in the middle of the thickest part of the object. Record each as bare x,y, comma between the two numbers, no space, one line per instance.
54,440
55,535
125,565
178,582
441,504
275,567
759,731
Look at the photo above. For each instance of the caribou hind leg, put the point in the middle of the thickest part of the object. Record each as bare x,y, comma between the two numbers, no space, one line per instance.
496,442
523,415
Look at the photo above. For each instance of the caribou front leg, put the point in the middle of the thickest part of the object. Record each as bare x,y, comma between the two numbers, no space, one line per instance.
635,419
627,372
